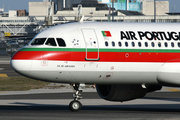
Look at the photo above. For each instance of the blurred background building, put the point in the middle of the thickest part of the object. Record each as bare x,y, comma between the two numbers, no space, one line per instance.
52,12
162,7
133,5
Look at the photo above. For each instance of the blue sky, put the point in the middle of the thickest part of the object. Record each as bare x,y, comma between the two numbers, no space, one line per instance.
23,4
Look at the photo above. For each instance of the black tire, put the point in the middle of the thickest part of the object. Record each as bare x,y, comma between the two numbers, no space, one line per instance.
75,106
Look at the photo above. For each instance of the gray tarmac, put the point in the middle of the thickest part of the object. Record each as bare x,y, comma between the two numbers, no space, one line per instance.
6,69
52,104
4,58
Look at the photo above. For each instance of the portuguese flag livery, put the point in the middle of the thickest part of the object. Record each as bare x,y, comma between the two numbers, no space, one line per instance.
106,33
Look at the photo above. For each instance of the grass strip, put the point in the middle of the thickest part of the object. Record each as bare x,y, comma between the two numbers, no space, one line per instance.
20,84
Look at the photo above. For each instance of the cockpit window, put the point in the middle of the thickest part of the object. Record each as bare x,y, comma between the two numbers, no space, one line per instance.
61,42
51,42
38,41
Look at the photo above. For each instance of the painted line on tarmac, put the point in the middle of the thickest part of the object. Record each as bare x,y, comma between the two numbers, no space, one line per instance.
5,61
3,75
1,68
174,90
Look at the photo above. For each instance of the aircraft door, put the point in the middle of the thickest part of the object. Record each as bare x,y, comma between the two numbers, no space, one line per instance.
91,42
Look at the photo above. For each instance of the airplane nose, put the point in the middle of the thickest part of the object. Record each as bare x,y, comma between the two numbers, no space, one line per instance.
22,67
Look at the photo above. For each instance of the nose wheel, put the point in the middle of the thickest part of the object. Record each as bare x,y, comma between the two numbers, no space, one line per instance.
76,105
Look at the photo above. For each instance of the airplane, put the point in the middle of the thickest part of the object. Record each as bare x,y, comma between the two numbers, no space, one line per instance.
124,60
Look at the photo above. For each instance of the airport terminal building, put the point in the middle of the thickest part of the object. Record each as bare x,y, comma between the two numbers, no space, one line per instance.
63,11
132,5
118,4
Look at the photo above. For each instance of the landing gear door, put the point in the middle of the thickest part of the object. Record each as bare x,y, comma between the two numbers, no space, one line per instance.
91,42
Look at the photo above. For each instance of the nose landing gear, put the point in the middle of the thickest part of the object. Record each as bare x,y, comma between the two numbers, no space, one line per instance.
76,105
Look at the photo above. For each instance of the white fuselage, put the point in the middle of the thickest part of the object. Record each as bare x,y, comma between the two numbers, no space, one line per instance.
104,53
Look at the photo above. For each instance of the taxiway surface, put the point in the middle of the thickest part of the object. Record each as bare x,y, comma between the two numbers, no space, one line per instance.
54,106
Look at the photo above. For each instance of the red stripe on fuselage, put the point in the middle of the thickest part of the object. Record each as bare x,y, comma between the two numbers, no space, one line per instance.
104,56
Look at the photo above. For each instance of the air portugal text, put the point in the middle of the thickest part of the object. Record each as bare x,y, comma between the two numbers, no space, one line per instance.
159,35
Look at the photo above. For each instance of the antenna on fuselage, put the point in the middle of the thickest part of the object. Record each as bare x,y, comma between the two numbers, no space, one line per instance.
82,19
79,16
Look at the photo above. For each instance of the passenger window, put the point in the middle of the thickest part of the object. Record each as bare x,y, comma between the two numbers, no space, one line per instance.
119,44
146,44
133,44
38,41
178,44
61,42
139,43
51,42
106,43
165,44
152,44
172,44
159,44
126,44
113,44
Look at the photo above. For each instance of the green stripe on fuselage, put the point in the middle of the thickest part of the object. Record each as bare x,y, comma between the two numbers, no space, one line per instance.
104,50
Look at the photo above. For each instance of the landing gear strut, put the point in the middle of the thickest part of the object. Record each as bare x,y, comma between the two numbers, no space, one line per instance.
75,105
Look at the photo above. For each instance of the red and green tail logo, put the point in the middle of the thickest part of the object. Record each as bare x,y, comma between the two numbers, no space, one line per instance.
106,33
